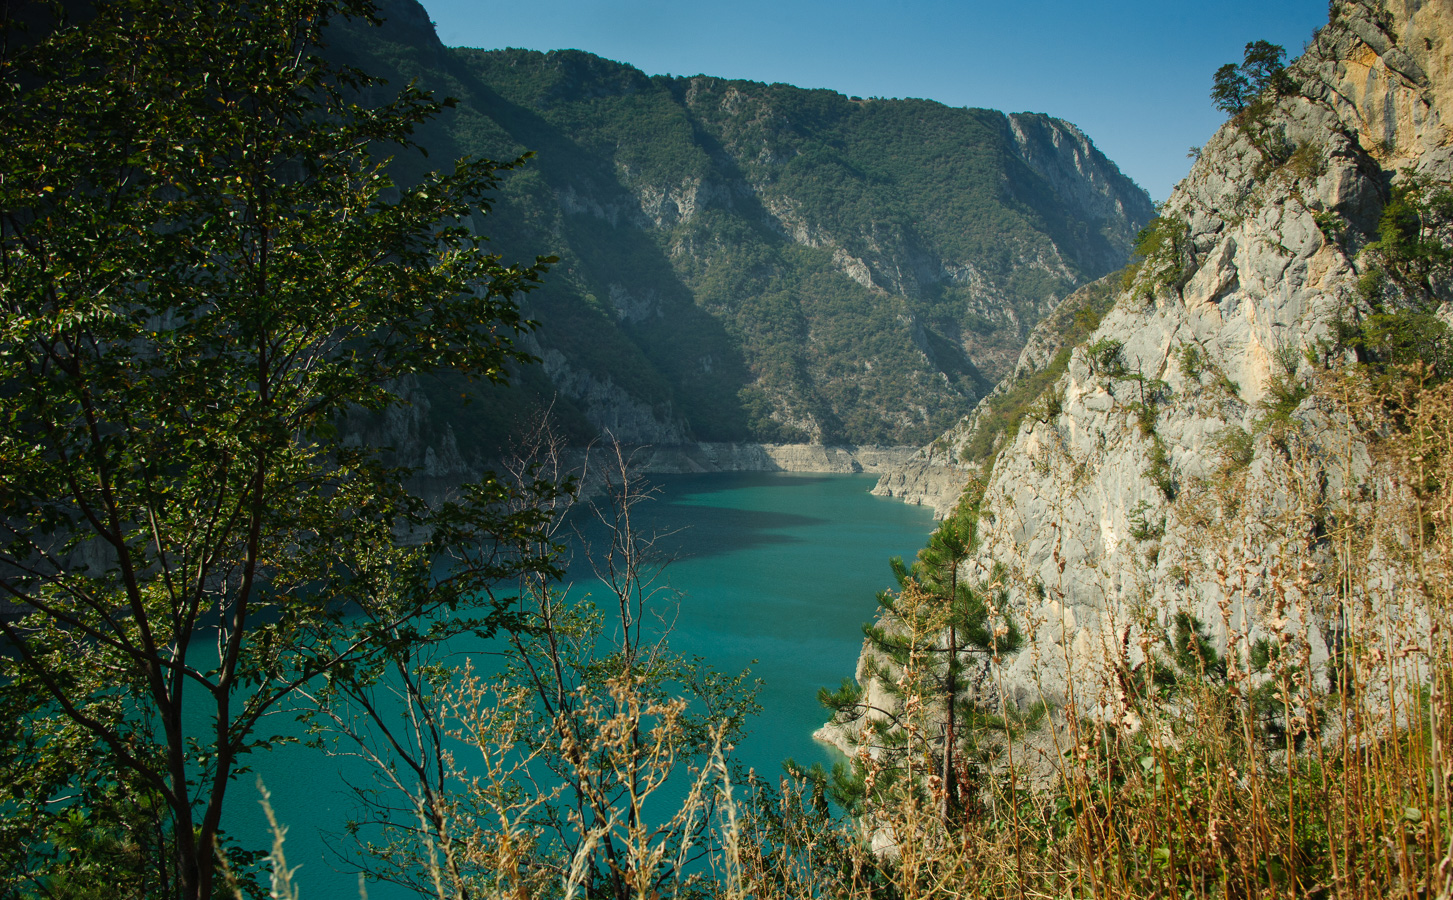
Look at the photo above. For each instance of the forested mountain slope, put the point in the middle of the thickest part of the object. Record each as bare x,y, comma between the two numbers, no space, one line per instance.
741,261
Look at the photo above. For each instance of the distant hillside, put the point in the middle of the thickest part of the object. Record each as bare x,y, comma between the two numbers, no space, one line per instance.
743,261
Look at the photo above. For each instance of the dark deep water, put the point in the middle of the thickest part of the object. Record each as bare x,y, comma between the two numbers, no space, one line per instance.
778,568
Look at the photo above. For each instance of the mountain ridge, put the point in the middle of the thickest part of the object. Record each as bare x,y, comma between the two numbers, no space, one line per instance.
741,261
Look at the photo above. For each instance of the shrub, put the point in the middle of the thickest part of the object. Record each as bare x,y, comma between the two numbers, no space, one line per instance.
1104,357
1331,224
1159,469
1192,361
1284,393
1236,446
1047,407
1143,529
1404,284
1166,257
1224,382
1307,160
1404,274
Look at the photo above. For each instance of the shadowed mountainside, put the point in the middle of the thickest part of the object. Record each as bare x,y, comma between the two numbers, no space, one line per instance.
750,262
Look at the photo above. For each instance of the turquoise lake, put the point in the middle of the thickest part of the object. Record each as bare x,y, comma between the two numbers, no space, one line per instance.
778,568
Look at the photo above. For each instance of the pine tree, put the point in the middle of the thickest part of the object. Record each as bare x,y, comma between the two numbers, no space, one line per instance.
1235,87
933,633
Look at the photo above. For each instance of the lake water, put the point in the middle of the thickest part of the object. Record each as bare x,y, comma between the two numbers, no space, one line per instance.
778,568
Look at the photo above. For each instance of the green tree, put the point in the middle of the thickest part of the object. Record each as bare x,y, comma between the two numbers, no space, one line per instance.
938,625
203,269
1263,66
1230,89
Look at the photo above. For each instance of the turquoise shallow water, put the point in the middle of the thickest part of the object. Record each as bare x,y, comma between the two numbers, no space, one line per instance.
778,568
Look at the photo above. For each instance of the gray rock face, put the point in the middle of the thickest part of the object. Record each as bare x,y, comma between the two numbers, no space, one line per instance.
737,457
925,481
1161,484
1124,508
1064,156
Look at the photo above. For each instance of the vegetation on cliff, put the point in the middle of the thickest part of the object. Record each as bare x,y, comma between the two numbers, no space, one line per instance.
1227,492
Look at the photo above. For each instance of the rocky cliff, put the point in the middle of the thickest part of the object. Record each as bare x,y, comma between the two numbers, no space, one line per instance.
1195,454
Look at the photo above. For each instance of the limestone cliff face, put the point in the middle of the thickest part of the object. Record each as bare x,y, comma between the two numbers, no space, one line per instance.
1064,157
1187,460
1123,507
926,479
732,457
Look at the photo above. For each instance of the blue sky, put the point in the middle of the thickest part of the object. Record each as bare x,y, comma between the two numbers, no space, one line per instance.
1134,75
